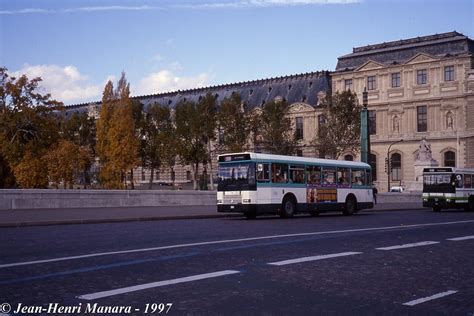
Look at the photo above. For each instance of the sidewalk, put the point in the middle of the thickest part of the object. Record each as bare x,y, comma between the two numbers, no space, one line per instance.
39,217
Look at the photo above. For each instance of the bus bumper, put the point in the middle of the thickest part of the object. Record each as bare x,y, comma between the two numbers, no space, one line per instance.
237,208
441,203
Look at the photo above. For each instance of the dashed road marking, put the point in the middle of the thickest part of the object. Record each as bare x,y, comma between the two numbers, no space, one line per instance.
429,298
417,244
140,287
92,255
313,258
461,238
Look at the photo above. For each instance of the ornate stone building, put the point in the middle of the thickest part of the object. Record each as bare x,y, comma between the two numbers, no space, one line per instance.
419,88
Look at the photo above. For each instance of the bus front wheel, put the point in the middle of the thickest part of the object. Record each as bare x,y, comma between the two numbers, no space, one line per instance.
288,208
471,203
351,206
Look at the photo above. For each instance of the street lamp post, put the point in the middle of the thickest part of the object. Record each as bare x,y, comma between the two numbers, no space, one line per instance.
388,162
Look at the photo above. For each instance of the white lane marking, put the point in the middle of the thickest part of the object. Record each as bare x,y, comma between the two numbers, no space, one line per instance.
140,287
417,244
461,238
429,298
313,258
15,264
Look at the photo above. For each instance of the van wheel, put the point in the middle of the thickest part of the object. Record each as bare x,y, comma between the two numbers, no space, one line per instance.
351,206
288,208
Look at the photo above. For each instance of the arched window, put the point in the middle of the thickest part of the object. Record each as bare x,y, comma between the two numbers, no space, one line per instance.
348,158
373,164
396,162
449,159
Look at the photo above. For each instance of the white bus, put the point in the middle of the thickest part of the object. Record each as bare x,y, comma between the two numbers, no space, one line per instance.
448,188
254,184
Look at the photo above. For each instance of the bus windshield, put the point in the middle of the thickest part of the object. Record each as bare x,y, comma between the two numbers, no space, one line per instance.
236,176
441,183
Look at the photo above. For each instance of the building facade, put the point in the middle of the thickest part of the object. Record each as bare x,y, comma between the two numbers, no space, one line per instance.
419,88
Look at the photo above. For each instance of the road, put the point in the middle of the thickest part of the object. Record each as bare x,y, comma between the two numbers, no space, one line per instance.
400,262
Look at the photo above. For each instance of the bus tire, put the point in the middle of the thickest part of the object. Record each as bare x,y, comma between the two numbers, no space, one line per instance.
288,207
351,206
471,203
251,215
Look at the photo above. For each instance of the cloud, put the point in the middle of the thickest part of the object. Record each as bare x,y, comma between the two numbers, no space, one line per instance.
262,3
180,4
65,84
82,9
166,81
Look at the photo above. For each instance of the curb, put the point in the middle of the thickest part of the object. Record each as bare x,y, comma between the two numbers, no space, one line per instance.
111,220
146,219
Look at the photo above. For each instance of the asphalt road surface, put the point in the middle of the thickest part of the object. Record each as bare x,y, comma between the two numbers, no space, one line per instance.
400,262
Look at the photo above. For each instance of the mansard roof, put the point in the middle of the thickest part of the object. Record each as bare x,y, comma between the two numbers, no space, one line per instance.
398,52
293,88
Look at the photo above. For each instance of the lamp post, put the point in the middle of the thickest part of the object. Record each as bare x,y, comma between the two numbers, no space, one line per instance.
388,162
364,130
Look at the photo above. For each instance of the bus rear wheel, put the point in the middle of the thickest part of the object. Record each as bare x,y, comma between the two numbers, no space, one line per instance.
288,208
351,206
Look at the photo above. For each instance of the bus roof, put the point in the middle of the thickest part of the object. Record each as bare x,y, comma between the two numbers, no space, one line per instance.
448,170
297,159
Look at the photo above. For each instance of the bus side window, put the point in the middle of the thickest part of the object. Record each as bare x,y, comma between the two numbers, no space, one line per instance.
358,177
263,172
467,181
459,181
343,176
313,174
329,175
279,173
297,173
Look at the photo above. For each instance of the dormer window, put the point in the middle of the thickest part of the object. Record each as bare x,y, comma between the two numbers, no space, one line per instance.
250,92
289,87
269,90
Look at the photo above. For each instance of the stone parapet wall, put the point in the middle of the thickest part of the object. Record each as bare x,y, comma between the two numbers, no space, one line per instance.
54,199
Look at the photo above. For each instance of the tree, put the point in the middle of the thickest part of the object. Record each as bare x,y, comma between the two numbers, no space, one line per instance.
28,124
206,110
30,172
341,131
80,129
117,142
157,143
275,128
233,124
65,161
191,142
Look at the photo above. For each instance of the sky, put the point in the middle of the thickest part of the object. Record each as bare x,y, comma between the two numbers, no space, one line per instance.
76,46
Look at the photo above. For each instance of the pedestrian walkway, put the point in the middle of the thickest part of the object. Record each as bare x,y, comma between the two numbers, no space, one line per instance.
34,217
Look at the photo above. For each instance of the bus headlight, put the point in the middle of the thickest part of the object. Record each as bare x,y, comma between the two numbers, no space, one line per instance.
246,200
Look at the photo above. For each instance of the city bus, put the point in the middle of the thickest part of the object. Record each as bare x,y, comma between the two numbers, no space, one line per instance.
448,187
255,184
